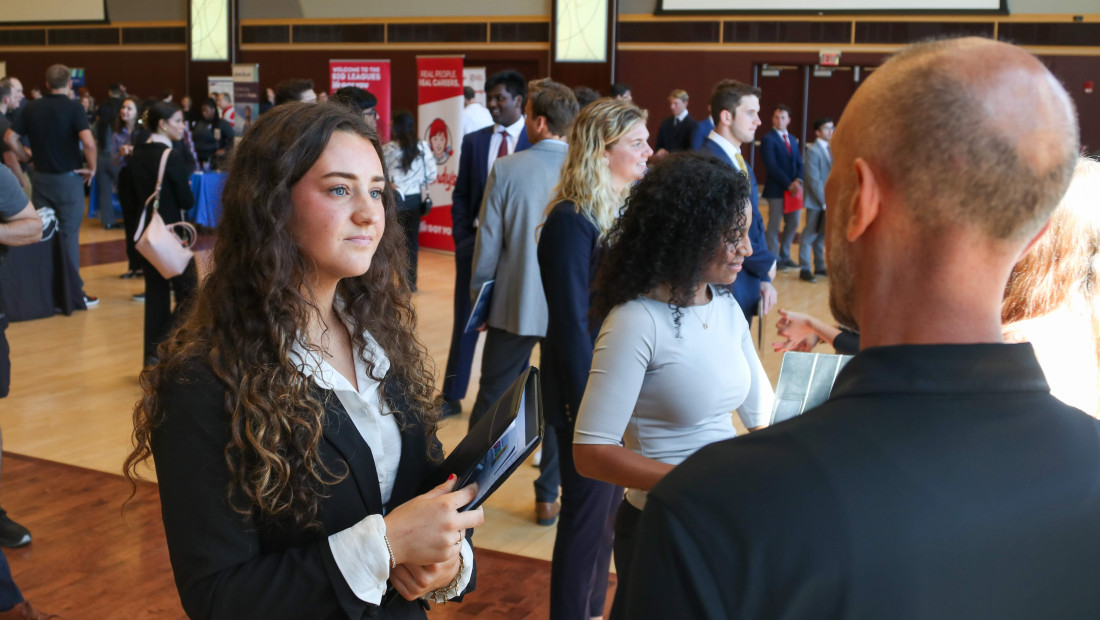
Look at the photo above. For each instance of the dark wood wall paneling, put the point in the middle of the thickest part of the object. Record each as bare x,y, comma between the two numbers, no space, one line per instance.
1050,34
901,33
787,32
519,32
670,32
143,72
438,33
339,33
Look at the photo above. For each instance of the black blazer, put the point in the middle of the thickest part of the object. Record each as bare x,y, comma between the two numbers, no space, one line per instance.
175,194
227,565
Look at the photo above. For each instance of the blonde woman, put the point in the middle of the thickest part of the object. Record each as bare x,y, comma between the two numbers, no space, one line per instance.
608,150
1050,298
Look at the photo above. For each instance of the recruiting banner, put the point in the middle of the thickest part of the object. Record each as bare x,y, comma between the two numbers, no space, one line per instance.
474,77
370,75
246,95
439,85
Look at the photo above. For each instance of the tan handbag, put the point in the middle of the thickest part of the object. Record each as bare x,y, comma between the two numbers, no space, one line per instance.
166,247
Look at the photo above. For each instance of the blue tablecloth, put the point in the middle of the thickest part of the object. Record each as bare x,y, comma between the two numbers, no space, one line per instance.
93,200
207,187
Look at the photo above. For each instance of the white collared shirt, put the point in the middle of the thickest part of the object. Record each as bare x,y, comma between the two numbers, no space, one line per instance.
513,139
682,115
360,551
731,151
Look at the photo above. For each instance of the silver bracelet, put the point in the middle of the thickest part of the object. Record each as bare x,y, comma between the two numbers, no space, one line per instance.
393,561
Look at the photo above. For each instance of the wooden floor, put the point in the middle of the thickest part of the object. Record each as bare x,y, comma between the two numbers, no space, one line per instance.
74,384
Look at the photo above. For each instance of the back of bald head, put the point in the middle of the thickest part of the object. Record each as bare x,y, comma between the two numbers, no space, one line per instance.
969,133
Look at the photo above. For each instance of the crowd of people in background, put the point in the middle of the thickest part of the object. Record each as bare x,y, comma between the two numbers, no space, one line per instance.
291,378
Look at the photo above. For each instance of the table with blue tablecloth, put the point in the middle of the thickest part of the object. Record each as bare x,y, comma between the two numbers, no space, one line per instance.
207,188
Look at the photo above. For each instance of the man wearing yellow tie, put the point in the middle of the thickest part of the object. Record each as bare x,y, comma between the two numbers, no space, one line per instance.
735,109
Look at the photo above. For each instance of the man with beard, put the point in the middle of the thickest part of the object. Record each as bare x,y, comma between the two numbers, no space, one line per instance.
941,479
506,94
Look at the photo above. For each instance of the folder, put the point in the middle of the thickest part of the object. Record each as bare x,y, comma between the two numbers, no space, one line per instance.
508,433
805,381
480,312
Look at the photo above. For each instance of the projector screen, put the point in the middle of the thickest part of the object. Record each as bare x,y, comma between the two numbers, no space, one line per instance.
829,6
54,11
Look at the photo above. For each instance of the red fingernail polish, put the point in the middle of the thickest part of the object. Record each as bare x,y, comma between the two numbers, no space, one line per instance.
451,477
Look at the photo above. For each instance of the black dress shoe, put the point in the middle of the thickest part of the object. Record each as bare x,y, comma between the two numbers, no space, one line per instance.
787,264
807,276
821,272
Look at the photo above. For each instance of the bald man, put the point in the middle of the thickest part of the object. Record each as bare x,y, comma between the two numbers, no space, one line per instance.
941,479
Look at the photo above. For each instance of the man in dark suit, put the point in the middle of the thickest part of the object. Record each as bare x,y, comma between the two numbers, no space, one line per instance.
941,479
735,109
783,166
676,131
506,94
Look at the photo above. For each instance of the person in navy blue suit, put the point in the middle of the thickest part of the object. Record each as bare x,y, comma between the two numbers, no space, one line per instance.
702,130
735,110
783,165
506,93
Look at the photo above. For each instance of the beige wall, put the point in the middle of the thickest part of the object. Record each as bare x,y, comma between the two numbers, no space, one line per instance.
175,10
1014,6
254,9
146,10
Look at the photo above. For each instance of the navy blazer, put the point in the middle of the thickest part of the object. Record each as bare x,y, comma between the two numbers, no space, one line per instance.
702,130
473,172
569,254
746,288
782,168
229,565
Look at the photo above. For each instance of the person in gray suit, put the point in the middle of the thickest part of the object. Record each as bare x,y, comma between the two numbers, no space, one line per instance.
819,161
516,194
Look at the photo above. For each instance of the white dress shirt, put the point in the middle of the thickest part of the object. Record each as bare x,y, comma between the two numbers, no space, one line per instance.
731,151
360,551
513,131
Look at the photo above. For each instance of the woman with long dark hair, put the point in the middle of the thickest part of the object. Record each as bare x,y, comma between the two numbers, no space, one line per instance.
607,154
165,122
291,417
407,159
674,356
127,133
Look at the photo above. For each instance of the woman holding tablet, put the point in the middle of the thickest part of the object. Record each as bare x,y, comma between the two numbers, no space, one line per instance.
674,357
291,416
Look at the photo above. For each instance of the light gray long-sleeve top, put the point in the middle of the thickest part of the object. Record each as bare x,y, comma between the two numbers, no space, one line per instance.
664,396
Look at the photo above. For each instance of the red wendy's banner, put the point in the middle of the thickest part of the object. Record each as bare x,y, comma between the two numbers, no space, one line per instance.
439,84
370,75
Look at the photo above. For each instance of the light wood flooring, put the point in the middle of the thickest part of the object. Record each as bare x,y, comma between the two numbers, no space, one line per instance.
74,382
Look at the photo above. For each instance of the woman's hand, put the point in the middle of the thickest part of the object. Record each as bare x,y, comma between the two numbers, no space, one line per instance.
413,582
429,529
798,329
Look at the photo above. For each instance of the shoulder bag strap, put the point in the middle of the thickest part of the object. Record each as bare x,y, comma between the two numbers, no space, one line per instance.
153,198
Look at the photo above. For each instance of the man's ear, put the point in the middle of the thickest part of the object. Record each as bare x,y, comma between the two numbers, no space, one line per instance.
725,117
541,126
866,200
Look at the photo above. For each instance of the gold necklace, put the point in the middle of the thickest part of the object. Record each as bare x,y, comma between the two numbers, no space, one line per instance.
706,322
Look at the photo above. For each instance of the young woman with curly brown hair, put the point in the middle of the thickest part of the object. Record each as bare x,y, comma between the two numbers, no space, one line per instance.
291,416
674,356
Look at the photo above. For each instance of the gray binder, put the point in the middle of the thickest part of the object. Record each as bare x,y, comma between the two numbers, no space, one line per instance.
805,381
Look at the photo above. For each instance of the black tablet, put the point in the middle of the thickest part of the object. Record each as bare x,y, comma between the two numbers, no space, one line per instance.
508,433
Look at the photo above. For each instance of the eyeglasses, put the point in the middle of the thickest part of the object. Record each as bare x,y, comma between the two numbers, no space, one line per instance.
371,112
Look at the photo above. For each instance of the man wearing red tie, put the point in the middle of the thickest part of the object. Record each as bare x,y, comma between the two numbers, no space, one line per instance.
783,165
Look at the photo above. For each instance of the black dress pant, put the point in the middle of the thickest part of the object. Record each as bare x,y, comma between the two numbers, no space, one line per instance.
159,315
131,217
626,524
582,548
410,222
460,358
